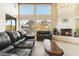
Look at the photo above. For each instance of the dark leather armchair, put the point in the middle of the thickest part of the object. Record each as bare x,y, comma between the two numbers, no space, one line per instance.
41,35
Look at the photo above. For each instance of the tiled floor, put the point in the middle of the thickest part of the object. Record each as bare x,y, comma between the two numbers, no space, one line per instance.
39,49
69,49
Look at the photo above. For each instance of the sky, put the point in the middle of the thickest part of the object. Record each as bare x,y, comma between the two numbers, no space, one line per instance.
40,9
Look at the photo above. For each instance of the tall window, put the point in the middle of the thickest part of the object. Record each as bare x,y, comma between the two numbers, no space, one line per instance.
10,23
27,9
35,11
38,9
43,9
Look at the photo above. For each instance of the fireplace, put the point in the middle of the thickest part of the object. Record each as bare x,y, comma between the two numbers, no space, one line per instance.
66,32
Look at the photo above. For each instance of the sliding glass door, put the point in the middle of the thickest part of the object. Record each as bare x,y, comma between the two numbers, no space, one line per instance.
10,23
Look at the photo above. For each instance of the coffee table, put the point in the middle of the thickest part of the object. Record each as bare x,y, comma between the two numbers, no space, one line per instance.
52,48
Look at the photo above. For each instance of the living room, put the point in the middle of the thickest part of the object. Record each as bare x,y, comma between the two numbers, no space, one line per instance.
40,21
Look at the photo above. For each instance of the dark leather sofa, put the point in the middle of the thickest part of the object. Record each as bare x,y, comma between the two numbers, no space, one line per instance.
15,43
41,35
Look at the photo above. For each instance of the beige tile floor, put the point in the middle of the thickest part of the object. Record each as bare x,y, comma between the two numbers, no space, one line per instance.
69,49
38,49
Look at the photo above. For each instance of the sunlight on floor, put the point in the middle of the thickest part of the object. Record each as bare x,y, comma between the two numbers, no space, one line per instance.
69,49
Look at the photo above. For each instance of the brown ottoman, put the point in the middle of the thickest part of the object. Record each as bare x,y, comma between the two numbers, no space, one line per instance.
51,48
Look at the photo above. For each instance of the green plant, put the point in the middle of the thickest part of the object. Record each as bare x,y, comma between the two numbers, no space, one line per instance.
77,30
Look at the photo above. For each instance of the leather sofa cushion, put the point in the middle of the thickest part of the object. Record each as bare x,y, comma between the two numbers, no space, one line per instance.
22,33
11,36
7,54
18,42
26,44
21,52
14,36
4,40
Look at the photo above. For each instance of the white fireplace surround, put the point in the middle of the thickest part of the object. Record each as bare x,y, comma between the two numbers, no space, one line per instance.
69,25
66,27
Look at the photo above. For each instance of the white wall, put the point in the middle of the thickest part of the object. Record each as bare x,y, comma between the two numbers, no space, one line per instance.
2,20
66,12
6,8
